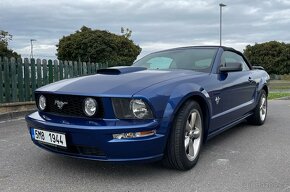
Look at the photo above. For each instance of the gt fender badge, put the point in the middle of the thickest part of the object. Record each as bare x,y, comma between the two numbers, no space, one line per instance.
217,100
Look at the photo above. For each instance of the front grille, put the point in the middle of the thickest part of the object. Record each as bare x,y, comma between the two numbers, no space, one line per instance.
73,106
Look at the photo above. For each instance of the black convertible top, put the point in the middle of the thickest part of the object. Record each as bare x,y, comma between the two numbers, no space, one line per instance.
203,46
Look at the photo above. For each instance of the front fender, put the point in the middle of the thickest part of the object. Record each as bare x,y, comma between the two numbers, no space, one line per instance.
264,81
180,95
168,99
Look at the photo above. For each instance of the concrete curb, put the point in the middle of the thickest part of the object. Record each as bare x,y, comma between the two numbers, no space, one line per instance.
9,111
283,98
17,106
14,115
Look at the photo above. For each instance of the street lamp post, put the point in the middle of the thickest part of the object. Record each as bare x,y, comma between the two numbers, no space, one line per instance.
221,6
31,48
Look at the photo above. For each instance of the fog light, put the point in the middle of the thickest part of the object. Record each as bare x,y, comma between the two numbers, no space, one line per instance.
134,134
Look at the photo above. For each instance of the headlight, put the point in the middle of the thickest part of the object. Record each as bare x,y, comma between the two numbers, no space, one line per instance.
90,106
41,102
139,108
131,109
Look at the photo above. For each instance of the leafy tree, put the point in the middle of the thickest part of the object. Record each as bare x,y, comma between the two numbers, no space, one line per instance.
98,46
126,32
5,37
273,56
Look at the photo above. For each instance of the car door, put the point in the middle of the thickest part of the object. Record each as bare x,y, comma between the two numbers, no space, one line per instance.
238,89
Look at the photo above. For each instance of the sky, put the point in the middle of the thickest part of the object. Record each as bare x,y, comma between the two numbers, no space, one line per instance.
156,24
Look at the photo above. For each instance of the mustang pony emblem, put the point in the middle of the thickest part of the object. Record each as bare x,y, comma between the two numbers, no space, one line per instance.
60,104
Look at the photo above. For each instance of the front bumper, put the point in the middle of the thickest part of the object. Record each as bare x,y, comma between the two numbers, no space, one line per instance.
93,139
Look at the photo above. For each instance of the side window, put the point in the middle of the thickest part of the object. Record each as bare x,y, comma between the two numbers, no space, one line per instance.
245,66
233,57
160,63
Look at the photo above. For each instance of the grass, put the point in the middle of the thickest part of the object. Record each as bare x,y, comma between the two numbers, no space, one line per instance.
280,87
276,95
279,84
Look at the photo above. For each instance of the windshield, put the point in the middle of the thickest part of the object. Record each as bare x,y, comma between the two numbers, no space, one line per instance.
197,59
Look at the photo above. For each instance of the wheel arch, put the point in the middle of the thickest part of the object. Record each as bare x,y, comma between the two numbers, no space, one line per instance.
204,105
205,113
266,88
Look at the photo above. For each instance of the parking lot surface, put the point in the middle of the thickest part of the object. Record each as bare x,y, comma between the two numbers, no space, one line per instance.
244,158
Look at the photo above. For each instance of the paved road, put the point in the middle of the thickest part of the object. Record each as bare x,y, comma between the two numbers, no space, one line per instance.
245,158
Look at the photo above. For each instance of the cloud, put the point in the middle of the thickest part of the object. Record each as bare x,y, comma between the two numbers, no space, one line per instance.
156,24
282,16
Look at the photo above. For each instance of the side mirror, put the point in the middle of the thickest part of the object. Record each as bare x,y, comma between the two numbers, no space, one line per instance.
231,67
258,67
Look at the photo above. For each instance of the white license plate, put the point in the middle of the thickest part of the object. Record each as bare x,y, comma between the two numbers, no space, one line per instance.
49,137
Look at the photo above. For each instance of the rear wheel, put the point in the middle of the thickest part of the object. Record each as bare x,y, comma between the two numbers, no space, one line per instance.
186,137
260,112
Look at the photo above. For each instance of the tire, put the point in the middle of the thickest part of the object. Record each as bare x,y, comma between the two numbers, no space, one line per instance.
260,111
186,138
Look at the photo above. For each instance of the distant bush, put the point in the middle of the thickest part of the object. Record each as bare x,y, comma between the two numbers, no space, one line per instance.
98,46
273,56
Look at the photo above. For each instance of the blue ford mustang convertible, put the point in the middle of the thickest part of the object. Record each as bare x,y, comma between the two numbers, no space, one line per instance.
163,107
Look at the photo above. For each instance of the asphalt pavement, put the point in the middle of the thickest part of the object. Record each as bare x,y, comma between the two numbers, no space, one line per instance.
244,158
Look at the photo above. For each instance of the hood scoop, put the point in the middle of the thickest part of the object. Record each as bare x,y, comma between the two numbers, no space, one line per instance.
120,70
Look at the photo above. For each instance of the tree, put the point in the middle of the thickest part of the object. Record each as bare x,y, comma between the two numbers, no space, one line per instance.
98,46
5,37
274,56
126,32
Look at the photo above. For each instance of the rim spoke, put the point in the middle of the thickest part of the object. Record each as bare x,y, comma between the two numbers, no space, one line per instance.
187,128
263,102
193,133
191,149
263,107
196,133
193,119
196,144
186,142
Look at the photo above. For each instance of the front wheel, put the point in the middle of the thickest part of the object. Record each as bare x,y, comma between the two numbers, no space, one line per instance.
186,137
260,112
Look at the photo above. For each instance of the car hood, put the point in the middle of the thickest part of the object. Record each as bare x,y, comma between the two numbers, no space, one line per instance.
122,83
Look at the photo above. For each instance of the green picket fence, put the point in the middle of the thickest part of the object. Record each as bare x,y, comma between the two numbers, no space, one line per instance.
19,78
